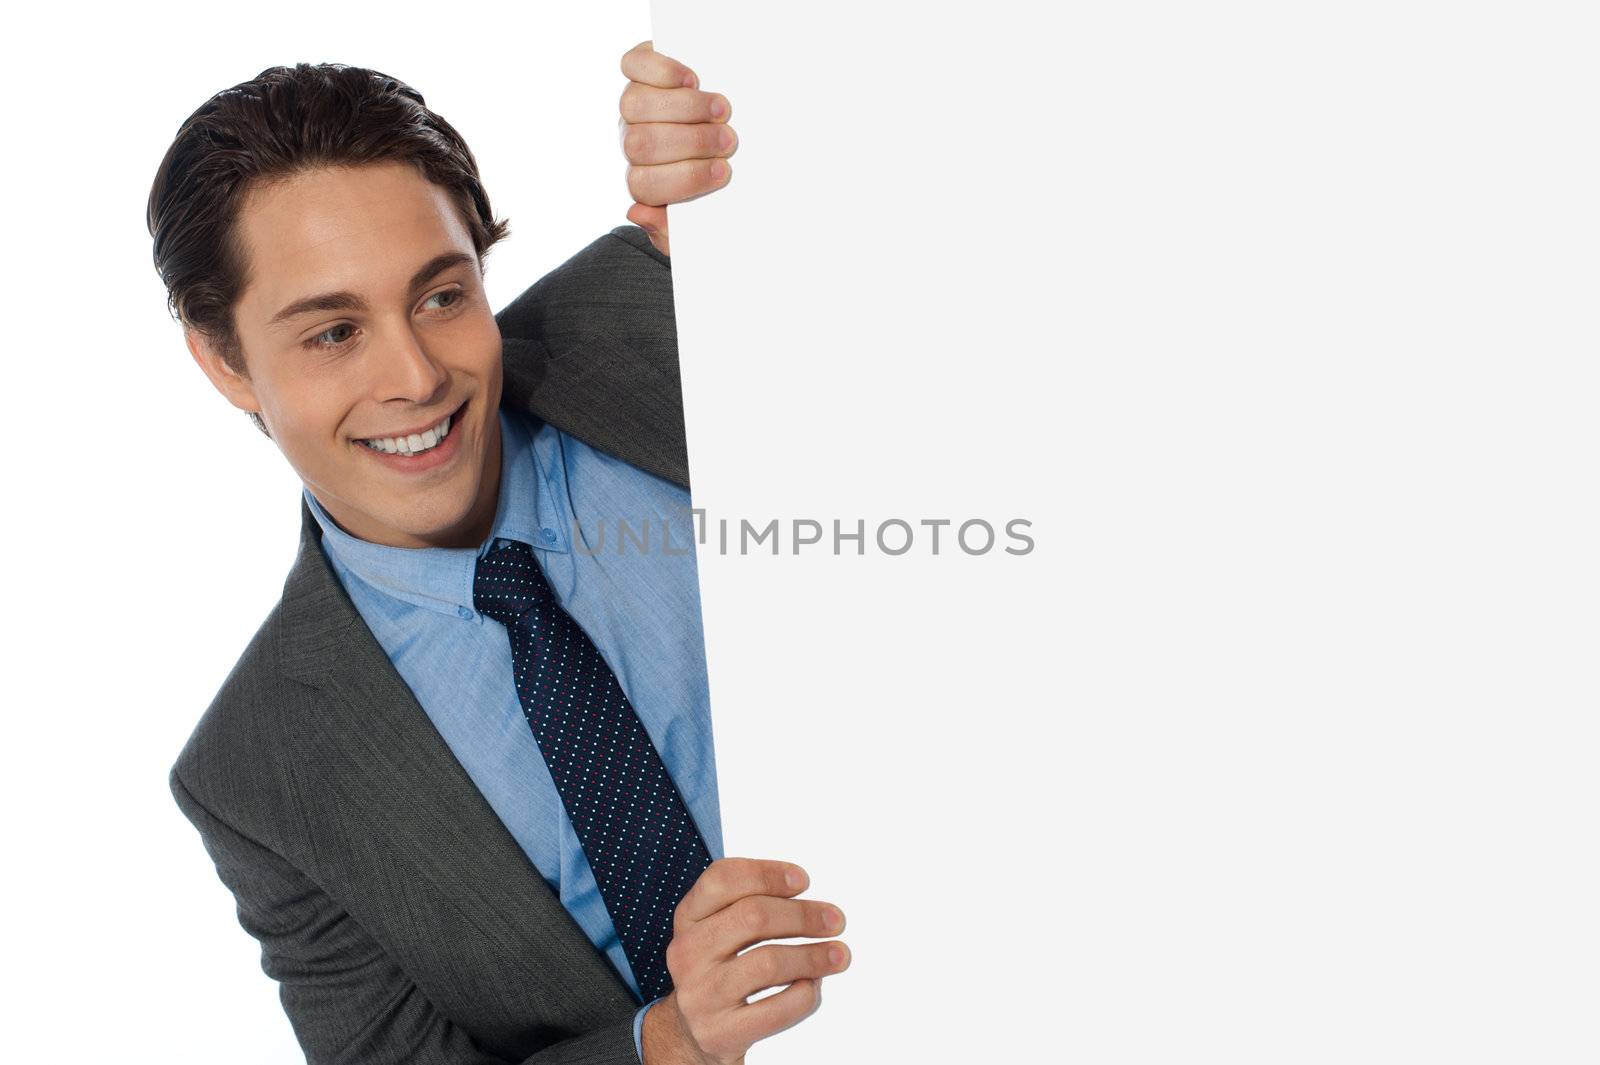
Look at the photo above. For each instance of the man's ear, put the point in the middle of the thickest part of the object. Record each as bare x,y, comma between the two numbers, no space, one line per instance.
235,387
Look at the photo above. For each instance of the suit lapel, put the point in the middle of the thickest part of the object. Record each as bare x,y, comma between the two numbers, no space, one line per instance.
390,778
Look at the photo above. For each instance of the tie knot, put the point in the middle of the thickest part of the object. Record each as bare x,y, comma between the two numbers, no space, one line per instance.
508,582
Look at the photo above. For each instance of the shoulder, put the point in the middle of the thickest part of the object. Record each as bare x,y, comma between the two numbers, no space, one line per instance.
233,764
592,347
619,280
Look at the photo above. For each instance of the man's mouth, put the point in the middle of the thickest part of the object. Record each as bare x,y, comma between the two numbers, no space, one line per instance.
418,442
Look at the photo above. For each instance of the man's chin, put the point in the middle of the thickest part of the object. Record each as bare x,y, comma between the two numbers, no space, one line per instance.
436,524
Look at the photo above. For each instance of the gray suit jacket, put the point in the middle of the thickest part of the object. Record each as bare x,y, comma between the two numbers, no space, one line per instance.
401,919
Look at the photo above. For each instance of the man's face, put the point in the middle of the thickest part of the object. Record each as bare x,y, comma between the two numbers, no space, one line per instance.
364,320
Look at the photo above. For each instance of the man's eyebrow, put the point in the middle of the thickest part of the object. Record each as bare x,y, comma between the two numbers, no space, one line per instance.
349,301
327,301
438,265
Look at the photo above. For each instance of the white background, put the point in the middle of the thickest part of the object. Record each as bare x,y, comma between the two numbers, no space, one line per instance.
1277,321
149,518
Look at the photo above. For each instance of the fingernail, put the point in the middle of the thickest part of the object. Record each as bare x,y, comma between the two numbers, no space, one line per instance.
836,955
833,920
719,107
719,170
795,879
725,138
689,80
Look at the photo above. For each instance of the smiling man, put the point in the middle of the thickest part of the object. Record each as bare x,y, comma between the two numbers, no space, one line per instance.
403,447
461,781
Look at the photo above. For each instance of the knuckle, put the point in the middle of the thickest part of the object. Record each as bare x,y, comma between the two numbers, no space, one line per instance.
751,916
715,878
628,103
637,186
768,963
636,143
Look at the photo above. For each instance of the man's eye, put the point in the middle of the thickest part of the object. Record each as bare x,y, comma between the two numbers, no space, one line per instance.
332,336
450,296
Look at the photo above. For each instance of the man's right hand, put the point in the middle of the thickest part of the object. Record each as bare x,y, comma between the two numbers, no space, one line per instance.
737,903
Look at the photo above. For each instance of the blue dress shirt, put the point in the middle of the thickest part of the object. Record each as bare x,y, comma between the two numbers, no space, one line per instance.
640,606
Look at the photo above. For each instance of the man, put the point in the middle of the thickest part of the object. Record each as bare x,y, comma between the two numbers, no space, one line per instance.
461,782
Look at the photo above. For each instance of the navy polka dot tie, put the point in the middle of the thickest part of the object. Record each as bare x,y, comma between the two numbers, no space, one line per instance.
638,835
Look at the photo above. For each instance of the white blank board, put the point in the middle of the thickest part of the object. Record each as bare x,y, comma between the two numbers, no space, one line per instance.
1277,322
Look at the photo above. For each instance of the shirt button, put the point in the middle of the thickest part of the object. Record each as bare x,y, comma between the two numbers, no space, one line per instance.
463,611
549,536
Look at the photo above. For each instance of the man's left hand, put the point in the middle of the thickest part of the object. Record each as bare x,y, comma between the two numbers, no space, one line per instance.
676,137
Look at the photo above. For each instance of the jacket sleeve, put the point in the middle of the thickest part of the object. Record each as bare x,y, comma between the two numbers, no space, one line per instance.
597,338
348,1002
619,282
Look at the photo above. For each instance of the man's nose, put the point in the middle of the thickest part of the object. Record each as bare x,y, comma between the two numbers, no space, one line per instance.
405,370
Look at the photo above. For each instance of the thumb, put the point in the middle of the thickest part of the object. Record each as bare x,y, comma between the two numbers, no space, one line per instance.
653,220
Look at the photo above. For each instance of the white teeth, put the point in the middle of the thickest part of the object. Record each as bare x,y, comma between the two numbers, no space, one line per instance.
412,444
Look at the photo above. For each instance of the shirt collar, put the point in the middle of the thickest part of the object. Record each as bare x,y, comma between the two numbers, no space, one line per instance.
441,578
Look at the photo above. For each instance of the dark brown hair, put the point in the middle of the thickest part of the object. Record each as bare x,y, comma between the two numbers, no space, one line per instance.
282,121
